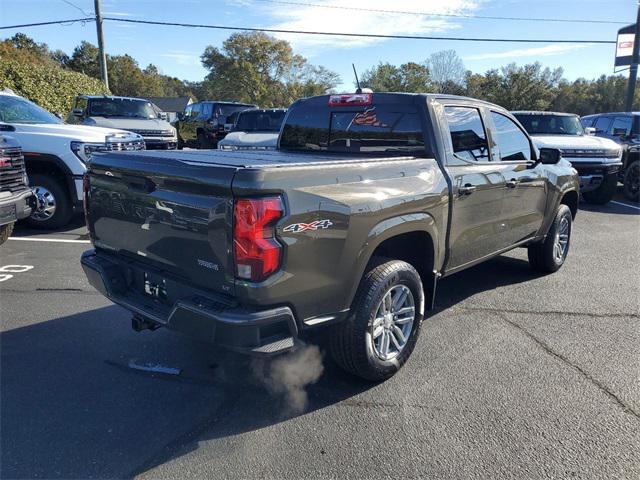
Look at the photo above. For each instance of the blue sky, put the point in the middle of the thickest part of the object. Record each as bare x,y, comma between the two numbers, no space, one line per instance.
176,50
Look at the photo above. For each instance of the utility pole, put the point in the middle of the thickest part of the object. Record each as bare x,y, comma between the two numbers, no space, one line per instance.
102,55
633,70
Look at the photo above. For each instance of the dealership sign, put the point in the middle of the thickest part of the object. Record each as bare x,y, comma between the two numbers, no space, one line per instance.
624,47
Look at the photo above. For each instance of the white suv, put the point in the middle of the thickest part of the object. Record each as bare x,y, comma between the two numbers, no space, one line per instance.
56,155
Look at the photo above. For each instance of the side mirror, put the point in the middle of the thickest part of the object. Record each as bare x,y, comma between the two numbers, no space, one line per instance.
59,115
550,156
78,112
589,131
162,116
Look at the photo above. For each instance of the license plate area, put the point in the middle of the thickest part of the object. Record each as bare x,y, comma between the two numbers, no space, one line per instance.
8,214
155,286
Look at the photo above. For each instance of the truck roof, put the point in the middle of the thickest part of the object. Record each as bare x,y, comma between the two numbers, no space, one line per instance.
112,97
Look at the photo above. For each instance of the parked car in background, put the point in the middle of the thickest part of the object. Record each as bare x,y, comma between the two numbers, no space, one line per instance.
56,155
623,128
202,125
598,160
255,130
347,226
125,113
16,198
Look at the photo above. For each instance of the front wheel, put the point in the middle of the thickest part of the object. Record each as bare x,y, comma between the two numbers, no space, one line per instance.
53,207
632,181
384,323
548,256
604,193
5,232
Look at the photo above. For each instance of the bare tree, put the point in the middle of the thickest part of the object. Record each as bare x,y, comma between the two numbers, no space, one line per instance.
447,71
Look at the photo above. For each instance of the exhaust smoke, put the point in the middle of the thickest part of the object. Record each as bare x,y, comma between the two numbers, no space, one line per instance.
289,375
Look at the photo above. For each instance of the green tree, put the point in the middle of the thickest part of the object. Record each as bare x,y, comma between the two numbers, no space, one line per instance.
408,77
84,59
257,68
530,87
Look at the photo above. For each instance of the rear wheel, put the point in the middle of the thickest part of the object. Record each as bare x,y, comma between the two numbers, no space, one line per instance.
604,193
53,207
548,256
5,232
632,181
384,324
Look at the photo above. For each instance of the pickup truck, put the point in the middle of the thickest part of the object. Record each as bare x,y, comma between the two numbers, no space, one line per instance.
342,233
16,198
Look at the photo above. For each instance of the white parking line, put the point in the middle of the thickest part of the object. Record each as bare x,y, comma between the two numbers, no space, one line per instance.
52,240
625,205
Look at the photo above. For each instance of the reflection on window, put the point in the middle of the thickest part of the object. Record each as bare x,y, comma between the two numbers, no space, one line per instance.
467,133
512,143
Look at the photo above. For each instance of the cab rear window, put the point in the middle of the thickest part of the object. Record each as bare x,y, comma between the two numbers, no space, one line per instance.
377,129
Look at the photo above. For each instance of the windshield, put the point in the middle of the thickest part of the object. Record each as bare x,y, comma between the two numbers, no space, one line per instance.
121,107
20,110
256,121
226,110
551,124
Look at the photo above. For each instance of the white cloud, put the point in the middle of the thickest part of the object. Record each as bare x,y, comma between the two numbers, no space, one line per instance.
340,20
182,57
545,51
117,14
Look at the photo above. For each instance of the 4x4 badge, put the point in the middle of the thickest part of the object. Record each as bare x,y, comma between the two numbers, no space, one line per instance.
303,227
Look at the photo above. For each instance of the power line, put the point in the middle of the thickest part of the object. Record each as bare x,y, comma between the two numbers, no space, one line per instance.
448,15
76,7
360,35
53,22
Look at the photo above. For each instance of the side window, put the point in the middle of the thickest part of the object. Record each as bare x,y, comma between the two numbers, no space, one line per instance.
81,103
513,144
468,136
602,125
195,110
206,111
622,126
586,122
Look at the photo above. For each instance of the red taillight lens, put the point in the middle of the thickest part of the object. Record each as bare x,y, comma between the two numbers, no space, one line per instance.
85,194
351,100
257,253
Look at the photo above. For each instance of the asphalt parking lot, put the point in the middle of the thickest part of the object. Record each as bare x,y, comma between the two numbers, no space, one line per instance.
516,375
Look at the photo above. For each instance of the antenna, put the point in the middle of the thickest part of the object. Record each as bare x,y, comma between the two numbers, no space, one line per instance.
358,90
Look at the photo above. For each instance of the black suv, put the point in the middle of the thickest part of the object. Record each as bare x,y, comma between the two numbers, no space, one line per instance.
624,128
16,198
202,124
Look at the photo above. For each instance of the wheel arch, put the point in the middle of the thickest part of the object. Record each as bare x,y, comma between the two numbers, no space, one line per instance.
45,164
412,238
570,199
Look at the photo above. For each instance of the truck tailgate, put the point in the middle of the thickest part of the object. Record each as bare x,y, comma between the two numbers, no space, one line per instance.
173,215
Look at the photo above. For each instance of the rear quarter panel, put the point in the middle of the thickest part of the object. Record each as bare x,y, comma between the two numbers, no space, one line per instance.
364,202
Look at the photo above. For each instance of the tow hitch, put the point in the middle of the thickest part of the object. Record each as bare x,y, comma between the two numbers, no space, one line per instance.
139,324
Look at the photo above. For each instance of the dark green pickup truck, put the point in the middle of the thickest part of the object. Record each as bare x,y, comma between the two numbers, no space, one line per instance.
347,227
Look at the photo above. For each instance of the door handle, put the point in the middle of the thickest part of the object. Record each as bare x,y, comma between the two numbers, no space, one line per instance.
513,183
467,189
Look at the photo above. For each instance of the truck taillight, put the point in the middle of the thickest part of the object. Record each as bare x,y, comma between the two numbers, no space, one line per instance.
351,100
256,251
85,197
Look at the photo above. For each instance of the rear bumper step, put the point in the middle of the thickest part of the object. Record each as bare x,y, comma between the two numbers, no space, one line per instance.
254,332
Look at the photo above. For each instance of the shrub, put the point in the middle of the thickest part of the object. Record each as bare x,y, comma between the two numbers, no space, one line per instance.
50,86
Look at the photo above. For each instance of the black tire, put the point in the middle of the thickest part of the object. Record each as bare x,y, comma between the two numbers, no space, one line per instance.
542,255
632,181
6,231
63,208
202,141
604,193
180,144
351,342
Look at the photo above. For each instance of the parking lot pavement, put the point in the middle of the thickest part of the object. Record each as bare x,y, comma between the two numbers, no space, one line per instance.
516,375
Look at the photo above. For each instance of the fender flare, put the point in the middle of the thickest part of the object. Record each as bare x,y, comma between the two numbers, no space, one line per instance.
58,163
393,227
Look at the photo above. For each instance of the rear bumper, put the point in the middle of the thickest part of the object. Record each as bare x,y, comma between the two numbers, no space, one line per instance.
24,203
592,174
197,314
